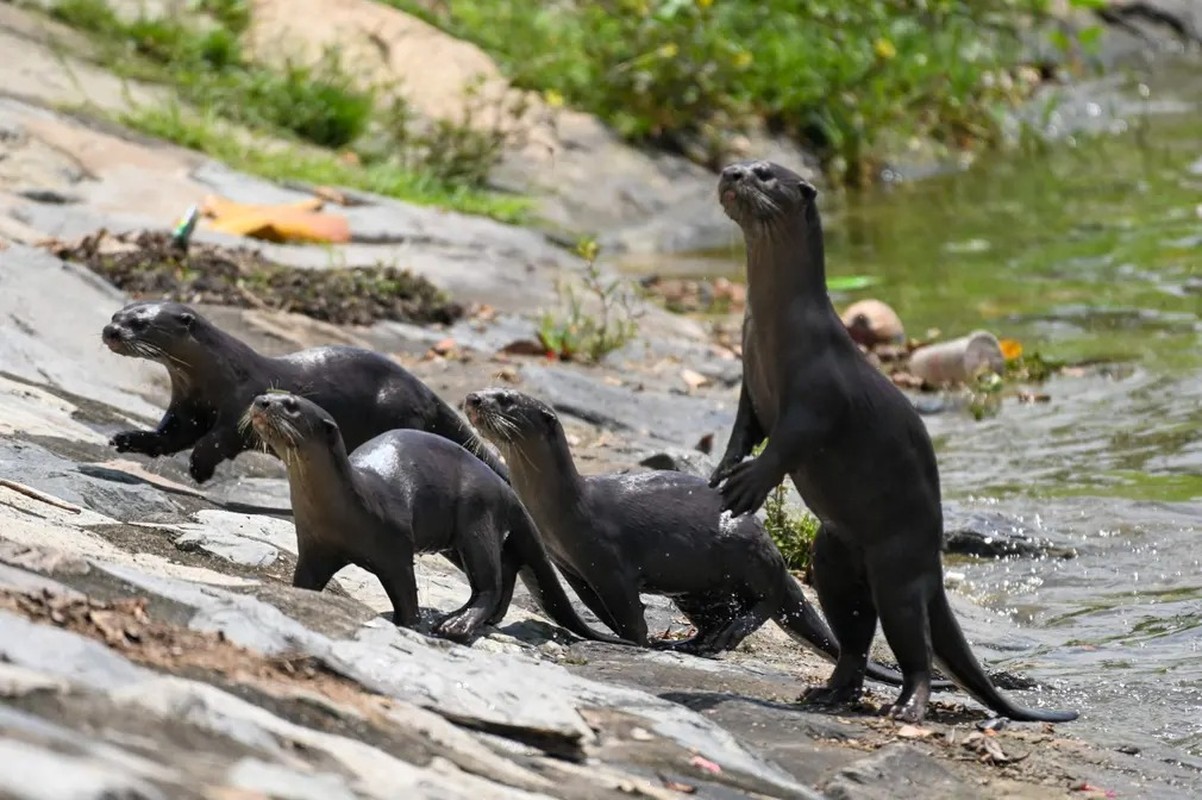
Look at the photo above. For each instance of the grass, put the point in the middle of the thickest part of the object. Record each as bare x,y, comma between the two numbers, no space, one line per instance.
793,532
847,78
207,134
318,107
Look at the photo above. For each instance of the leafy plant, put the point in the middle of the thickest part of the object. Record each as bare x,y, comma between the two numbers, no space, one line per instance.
319,103
847,78
582,333
793,532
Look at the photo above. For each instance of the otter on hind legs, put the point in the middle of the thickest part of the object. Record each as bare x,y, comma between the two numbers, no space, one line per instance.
398,494
853,445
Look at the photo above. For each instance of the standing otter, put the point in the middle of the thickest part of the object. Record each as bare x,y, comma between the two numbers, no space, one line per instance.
215,376
401,493
614,536
855,448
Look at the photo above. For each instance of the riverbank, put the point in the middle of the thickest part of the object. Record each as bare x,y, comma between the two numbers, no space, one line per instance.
194,670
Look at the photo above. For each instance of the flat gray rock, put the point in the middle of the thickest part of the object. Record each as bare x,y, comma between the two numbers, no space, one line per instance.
897,770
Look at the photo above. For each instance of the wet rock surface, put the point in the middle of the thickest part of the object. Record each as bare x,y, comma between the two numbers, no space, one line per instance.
142,607
151,644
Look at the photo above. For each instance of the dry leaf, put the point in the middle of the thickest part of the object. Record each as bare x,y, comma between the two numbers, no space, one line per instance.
444,346
914,732
677,786
693,380
705,764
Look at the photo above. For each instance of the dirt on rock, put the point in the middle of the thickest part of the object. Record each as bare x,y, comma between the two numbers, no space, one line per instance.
150,265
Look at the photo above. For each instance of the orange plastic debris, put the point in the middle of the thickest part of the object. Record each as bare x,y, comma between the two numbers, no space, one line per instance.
302,221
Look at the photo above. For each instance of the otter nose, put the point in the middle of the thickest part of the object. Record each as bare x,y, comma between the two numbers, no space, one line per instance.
110,332
263,402
472,400
734,172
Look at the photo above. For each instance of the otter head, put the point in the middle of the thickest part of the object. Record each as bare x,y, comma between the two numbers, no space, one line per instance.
150,329
295,428
758,193
513,421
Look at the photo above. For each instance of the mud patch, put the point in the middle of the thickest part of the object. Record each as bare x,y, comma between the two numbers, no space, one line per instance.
148,265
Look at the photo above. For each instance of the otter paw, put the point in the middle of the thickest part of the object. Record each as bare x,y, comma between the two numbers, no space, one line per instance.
719,474
912,712
746,488
200,468
829,695
144,442
459,628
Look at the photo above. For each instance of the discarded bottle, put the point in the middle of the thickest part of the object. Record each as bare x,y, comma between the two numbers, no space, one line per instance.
958,360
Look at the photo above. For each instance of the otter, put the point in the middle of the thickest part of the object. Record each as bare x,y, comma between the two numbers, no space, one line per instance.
400,493
855,448
214,376
660,532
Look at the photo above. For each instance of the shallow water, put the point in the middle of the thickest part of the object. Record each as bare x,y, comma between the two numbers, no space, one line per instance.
1090,248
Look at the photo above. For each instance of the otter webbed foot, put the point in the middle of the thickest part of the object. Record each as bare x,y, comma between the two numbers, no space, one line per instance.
461,626
911,704
148,443
830,695
747,486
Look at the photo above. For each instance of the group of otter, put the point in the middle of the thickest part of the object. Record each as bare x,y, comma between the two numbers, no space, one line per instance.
380,468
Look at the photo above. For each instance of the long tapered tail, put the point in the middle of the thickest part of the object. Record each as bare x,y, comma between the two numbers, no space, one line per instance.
956,659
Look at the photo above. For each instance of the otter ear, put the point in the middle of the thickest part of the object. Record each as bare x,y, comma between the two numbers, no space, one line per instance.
808,190
331,428
547,414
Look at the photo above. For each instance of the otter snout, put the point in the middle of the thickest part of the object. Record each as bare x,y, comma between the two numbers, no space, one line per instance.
471,407
116,337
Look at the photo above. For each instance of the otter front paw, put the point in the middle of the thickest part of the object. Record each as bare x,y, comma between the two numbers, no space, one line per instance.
144,442
721,471
747,486
200,466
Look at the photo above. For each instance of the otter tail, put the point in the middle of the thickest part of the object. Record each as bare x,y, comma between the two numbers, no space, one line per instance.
798,618
956,659
525,547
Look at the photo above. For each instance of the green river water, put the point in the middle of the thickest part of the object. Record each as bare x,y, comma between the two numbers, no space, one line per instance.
1090,248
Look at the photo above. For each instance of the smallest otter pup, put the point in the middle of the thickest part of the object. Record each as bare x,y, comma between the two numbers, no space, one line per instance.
400,493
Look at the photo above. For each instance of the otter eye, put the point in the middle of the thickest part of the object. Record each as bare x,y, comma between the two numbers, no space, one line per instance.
505,401
289,404
138,324
762,172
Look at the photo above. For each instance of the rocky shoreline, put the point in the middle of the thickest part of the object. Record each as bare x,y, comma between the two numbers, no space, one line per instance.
152,647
